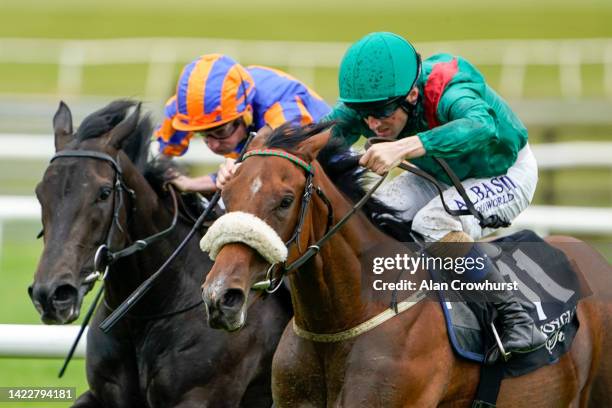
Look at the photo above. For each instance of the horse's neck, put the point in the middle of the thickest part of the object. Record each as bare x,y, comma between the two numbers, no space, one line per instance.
148,214
331,292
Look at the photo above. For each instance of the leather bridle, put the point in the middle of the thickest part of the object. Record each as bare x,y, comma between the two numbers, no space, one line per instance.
104,257
272,283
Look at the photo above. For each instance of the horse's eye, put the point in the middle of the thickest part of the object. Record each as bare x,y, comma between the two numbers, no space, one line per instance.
105,192
286,202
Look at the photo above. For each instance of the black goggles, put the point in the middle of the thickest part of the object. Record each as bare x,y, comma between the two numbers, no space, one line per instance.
220,132
378,110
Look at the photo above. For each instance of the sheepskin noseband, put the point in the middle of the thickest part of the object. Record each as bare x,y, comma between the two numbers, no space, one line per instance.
238,226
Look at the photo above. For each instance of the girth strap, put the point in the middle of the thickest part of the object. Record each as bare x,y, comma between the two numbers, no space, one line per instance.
361,328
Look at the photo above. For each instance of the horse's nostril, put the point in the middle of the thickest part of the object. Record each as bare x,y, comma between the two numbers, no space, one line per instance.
30,291
64,293
232,298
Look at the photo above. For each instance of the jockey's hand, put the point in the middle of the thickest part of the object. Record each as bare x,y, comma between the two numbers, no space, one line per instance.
186,184
171,173
226,172
382,157
183,183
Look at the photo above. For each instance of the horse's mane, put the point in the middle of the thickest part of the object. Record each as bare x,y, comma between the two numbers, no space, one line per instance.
137,145
340,164
104,120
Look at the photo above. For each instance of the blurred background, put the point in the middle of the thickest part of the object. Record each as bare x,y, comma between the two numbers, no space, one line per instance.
552,60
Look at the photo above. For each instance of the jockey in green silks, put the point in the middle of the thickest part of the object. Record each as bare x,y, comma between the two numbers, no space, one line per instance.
442,108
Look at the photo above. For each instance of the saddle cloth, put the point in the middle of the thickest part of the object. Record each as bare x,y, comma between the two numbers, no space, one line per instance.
549,291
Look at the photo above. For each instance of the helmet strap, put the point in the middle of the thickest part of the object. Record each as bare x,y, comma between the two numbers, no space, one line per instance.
248,116
412,112
410,108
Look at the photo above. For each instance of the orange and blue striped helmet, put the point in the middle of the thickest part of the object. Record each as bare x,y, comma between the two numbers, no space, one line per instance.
213,90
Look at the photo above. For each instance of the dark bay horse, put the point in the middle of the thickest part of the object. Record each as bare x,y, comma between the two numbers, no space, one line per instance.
406,361
102,188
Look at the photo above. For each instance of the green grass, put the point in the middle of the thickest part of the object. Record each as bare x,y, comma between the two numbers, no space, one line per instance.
122,79
24,180
319,20
28,78
280,20
592,80
17,269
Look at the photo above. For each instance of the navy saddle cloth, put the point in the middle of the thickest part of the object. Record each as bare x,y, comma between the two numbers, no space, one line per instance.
549,291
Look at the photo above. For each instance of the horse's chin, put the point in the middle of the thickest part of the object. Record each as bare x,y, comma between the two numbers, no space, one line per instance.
223,325
62,316
235,326
220,321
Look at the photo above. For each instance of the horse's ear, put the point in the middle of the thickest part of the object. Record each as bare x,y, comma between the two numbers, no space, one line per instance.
123,130
310,148
62,126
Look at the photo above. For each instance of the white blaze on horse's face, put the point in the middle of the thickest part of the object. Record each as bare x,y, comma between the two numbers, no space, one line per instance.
256,185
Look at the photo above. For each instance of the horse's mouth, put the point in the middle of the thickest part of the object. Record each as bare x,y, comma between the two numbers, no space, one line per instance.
68,314
224,320
59,311
221,322
64,306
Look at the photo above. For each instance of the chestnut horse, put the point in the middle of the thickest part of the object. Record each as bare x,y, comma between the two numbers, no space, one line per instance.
101,188
405,361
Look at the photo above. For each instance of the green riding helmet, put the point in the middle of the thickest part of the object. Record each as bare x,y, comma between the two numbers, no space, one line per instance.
378,67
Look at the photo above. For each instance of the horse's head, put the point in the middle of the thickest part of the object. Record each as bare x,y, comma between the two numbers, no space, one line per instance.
264,203
83,197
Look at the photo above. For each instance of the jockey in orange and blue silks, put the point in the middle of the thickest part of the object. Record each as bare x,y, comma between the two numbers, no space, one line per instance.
222,101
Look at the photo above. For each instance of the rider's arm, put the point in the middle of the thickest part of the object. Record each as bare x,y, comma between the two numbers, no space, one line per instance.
468,124
202,184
